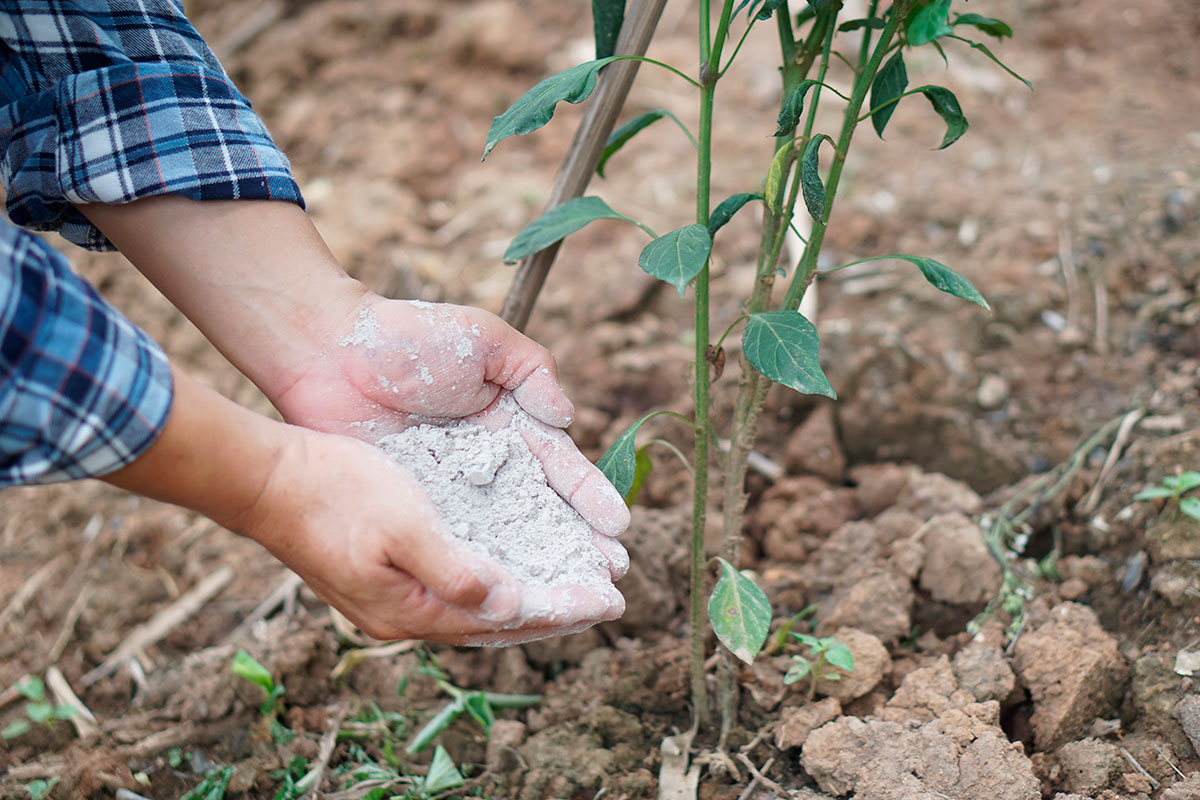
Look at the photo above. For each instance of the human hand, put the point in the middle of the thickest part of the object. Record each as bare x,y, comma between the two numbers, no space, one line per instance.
390,364
365,537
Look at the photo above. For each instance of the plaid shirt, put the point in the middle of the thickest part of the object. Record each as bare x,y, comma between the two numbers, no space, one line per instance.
101,101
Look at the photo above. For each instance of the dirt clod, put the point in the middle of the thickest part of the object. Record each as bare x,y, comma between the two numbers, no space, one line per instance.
1088,765
958,567
797,722
880,604
1187,711
1186,789
982,670
1073,671
928,494
814,448
871,663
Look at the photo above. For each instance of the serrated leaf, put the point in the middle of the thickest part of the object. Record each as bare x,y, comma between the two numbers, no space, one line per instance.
946,105
983,49
536,107
783,346
988,25
642,467
728,207
607,18
31,688
623,134
619,462
792,107
929,23
442,775
558,223
839,655
678,256
245,666
1190,506
811,186
874,23
739,612
890,82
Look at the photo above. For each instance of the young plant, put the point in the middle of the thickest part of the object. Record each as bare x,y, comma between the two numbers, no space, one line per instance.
778,343
479,705
246,666
1172,489
823,653
38,709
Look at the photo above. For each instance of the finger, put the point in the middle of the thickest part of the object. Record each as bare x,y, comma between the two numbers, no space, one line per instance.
526,369
523,636
557,606
617,556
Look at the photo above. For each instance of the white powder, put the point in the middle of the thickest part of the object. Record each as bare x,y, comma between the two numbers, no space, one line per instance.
492,493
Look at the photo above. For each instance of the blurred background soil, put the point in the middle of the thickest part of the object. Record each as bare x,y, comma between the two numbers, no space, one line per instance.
1074,209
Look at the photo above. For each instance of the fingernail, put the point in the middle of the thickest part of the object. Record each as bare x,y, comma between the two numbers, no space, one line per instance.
502,603
598,502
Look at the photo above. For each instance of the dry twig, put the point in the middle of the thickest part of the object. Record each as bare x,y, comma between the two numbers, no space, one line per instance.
161,624
1134,763
325,752
68,626
1128,422
81,716
759,777
31,587
287,588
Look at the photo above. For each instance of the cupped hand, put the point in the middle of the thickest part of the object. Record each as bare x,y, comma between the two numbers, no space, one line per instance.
366,538
390,364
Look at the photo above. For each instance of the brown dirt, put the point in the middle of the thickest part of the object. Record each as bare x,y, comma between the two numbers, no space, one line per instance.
944,413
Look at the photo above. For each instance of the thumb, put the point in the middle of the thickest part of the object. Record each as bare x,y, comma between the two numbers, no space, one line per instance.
526,369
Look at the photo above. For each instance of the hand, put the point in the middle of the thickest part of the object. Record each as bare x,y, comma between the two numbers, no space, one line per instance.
390,364
364,536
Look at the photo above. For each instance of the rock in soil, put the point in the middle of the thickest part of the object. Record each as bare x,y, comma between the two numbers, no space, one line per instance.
962,753
1187,711
871,663
925,693
982,670
813,449
1074,673
880,604
797,722
1172,588
1089,765
1188,789
928,494
958,568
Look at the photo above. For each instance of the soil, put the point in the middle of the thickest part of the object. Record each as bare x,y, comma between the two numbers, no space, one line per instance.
1075,210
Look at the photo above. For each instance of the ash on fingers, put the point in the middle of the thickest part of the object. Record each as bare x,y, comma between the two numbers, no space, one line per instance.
492,494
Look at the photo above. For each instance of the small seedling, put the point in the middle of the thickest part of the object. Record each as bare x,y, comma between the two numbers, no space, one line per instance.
1173,488
372,780
40,789
38,710
245,666
823,653
213,786
480,705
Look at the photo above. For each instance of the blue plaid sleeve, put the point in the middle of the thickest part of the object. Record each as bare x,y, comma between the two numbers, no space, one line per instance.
82,391
107,101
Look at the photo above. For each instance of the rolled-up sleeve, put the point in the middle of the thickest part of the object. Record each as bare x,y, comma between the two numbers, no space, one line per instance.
108,102
82,391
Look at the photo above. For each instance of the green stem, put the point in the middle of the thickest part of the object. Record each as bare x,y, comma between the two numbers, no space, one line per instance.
665,66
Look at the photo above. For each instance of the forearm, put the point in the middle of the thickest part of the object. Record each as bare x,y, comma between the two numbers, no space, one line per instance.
213,456
253,275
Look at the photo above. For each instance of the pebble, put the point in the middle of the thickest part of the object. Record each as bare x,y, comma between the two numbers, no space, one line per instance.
993,391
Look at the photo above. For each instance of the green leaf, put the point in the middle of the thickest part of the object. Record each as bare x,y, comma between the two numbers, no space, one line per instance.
890,82
988,25
618,138
31,688
798,671
839,655
768,8
607,17
435,726
536,107
557,223
642,467
40,789
39,712
946,105
442,774
792,107
874,23
783,346
774,181
740,613
245,666
1184,483
619,462
946,279
1153,494
1190,506
480,710
808,640
811,186
18,727
64,712
678,256
929,23
728,207
983,49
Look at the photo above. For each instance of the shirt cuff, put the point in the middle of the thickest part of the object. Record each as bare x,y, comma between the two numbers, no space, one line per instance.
134,130
83,391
